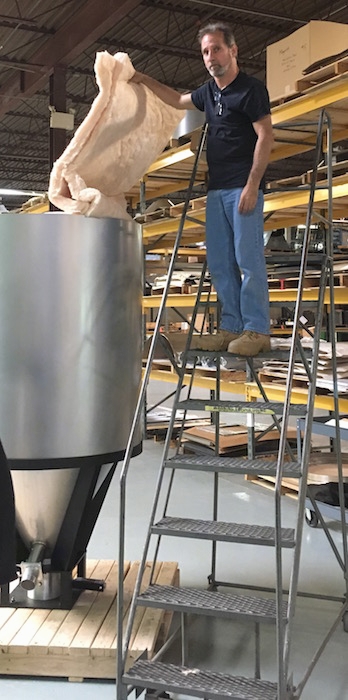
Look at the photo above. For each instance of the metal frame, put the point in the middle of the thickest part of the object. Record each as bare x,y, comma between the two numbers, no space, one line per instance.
79,520
285,689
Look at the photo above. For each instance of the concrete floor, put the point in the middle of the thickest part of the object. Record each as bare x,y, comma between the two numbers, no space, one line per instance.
219,644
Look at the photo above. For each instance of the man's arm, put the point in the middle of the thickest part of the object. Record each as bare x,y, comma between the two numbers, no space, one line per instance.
167,94
262,152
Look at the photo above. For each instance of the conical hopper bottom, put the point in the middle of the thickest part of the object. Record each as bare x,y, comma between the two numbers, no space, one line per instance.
41,498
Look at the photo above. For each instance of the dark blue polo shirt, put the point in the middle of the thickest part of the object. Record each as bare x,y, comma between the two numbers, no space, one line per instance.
231,138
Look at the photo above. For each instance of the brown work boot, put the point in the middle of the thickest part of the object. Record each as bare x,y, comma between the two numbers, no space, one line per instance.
215,341
250,344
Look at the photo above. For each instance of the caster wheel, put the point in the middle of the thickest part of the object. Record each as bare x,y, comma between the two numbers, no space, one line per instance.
311,518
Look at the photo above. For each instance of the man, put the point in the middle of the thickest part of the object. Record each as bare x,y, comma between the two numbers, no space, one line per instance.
239,143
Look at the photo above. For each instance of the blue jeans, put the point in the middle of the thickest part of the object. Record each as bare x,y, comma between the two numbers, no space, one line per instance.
236,260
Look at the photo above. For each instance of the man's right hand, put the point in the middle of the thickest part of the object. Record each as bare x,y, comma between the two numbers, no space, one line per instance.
137,77
167,94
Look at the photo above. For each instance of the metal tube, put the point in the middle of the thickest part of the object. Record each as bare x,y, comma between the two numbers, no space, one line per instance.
257,651
37,552
283,637
31,568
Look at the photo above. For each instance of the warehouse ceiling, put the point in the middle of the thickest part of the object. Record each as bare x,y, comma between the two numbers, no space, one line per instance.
43,42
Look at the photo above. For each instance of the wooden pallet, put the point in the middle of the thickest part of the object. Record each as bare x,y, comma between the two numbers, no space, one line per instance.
194,205
269,376
340,168
81,643
148,217
286,489
322,74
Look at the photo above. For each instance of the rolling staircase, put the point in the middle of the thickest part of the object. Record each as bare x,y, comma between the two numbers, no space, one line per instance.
278,608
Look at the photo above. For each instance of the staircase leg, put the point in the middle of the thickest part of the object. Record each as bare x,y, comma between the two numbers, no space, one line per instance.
257,650
184,640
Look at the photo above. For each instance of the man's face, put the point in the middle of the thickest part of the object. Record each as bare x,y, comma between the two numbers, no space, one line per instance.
217,56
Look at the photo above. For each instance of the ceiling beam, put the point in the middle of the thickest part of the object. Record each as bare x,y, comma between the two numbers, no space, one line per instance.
21,65
23,25
257,19
13,173
27,115
252,12
84,28
22,157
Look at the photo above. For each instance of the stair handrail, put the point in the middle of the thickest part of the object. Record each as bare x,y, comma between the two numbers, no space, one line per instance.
123,640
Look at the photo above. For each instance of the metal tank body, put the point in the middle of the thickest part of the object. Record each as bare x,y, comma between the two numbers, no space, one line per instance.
70,370
193,119
70,318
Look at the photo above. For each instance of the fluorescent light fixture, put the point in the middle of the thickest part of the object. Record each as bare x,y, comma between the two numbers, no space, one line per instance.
20,193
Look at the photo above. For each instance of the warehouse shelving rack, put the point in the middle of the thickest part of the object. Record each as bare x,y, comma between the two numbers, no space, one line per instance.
282,209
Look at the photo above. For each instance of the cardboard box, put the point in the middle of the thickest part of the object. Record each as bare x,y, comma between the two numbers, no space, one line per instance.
288,58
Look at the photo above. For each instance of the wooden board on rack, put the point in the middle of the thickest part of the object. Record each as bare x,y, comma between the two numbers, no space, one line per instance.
230,437
81,643
267,482
322,74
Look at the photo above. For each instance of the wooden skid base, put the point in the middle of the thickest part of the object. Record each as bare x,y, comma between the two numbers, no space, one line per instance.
81,643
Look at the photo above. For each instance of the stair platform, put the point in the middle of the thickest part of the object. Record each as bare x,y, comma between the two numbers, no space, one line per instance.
230,465
199,602
81,643
268,407
193,681
214,530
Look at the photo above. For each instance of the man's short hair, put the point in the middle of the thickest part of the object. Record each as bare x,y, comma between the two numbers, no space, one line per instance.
213,27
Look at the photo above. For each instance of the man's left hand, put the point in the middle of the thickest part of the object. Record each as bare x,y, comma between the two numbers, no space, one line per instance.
248,199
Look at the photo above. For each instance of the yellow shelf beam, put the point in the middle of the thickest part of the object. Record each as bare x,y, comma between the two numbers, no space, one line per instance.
284,150
201,252
288,200
171,225
41,208
277,393
201,382
275,295
153,192
317,98
171,157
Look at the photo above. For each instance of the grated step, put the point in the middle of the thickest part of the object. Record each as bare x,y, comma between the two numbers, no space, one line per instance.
281,354
196,682
222,531
194,600
269,407
233,465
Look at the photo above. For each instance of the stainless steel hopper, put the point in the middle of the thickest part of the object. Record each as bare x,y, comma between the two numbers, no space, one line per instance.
70,366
